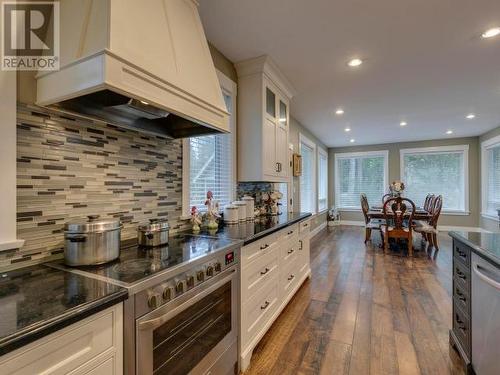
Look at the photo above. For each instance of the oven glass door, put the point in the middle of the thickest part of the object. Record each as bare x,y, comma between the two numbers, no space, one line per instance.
182,336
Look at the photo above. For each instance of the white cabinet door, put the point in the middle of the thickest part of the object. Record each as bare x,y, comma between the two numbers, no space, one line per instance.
269,149
282,151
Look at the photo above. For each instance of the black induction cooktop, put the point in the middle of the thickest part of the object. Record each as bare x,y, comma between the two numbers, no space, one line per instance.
136,263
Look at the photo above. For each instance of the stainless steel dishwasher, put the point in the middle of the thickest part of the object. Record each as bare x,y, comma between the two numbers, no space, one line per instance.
485,316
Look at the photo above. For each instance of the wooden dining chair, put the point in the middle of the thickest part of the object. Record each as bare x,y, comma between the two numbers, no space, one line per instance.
398,213
429,200
428,230
370,223
386,197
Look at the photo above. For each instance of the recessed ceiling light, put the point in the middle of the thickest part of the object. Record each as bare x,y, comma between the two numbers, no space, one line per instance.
348,129
449,132
339,111
352,140
490,33
355,62
470,116
403,123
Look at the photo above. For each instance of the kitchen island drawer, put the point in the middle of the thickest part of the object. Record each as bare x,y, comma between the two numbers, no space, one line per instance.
258,272
461,328
461,252
461,298
461,275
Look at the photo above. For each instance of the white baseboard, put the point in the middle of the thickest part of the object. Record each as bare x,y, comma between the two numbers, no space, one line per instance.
441,228
318,229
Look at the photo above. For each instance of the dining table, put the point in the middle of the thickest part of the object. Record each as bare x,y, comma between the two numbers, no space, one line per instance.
376,212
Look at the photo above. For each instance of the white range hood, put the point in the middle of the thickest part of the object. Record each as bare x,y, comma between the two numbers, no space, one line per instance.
142,64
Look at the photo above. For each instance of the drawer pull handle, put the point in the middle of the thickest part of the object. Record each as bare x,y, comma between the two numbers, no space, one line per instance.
289,233
461,275
265,305
301,245
461,254
264,246
265,271
461,324
306,224
291,251
461,296
291,277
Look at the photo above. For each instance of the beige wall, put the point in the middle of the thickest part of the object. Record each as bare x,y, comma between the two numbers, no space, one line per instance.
488,224
470,220
222,63
297,128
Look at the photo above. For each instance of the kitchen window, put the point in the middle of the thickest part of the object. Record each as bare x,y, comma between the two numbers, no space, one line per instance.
307,149
322,180
357,173
490,170
440,171
210,161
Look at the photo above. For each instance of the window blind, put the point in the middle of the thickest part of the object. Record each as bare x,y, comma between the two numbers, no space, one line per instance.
439,173
210,162
322,181
307,200
360,173
493,180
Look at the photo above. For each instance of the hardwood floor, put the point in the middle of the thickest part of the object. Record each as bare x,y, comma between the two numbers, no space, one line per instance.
364,312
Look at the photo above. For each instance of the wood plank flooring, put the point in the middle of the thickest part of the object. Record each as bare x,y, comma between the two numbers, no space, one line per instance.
364,312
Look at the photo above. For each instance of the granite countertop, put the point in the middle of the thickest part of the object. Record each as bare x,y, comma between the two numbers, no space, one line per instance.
36,301
487,245
251,231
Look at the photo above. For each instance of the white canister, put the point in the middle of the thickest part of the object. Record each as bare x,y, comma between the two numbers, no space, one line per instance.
231,214
250,201
242,210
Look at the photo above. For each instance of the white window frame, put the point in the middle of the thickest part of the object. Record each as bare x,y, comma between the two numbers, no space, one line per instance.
324,153
305,140
348,155
230,88
485,146
464,149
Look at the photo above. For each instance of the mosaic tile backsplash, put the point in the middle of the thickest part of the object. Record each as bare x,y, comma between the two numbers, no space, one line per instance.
69,167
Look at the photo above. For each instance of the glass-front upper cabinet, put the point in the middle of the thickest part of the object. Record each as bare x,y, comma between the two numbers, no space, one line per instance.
283,119
270,102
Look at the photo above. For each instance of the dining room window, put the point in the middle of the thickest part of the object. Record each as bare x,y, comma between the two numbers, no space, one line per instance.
307,150
440,171
357,173
490,168
322,180
209,161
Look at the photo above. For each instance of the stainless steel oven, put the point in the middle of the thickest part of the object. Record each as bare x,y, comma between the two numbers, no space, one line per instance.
195,333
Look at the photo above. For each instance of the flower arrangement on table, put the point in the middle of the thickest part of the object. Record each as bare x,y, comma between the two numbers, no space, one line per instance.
396,188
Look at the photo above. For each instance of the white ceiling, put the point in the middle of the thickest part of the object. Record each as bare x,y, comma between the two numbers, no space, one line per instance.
425,62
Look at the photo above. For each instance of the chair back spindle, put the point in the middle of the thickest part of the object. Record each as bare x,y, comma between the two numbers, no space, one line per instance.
365,207
399,208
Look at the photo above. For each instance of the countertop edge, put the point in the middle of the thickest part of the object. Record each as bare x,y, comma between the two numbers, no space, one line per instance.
275,229
44,328
477,249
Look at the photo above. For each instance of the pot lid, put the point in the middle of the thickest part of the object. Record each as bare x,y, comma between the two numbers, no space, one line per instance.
155,225
91,223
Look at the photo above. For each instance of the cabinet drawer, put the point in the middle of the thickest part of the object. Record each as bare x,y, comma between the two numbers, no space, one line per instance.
461,252
288,252
289,234
461,328
461,275
253,251
258,272
257,311
289,276
461,298
76,349
305,227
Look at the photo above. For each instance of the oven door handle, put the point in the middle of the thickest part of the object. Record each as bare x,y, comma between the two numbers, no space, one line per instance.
152,324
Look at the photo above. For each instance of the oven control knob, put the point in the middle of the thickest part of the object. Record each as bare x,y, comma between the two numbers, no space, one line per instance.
153,300
167,294
190,281
217,267
210,271
200,275
179,287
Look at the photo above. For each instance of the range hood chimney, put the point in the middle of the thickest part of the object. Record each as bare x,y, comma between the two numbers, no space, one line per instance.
143,65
